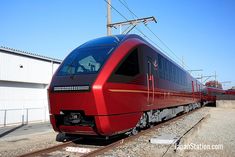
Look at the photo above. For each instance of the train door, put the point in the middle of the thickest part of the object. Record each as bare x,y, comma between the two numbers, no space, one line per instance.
193,90
151,77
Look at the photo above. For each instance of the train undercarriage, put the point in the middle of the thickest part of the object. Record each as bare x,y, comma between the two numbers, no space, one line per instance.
148,119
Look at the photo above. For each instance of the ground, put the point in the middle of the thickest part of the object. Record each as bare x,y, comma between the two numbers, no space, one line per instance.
200,131
26,139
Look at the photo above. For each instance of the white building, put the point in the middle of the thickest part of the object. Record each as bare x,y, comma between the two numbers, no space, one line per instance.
24,78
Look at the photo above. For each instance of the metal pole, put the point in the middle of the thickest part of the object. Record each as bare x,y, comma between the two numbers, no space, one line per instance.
45,113
52,64
5,117
109,18
183,61
27,116
201,78
23,118
215,81
215,75
120,29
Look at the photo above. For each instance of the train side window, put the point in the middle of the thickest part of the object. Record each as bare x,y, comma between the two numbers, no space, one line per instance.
160,62
177,75
130,66
163,68
166,70
171,72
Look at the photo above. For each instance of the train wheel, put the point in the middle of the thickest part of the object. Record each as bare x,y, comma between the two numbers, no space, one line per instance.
134,131
61,137
143,123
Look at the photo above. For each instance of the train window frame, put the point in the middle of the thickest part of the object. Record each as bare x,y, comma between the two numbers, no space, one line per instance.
70,66
117,78
132,57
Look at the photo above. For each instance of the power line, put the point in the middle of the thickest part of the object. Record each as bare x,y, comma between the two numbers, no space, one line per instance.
141,32
162,42
126,6
137,28
116,10
127,22
123,1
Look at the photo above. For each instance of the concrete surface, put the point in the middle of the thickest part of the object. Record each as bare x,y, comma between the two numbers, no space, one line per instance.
225,104
21,130
213,137
18,140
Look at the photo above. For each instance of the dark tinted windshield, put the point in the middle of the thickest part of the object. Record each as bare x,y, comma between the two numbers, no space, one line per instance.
86,60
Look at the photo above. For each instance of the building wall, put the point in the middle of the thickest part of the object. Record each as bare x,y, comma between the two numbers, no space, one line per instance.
23,88
24,69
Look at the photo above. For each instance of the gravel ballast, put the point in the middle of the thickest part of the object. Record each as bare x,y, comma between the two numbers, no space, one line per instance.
141,146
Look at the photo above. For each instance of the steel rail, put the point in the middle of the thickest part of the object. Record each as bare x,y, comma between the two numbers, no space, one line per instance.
49,149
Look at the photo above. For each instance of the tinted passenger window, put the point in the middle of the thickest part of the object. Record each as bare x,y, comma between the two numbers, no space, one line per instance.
130,67
85,60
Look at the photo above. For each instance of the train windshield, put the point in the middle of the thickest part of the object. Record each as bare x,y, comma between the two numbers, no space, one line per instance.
86,60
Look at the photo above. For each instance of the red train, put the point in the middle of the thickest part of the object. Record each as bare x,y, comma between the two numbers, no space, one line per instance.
212,90
119,84
230,91
211,93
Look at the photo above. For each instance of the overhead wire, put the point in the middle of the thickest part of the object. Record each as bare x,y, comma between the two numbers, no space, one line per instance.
141,32
124,3
127,20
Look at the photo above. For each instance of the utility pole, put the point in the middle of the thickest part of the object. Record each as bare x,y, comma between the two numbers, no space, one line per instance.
109,18
215,75
201,77
215,80
131,23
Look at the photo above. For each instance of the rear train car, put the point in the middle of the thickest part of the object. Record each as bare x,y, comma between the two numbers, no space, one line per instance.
118,84
212,90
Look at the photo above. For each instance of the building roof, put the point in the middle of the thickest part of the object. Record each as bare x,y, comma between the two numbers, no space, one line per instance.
28,54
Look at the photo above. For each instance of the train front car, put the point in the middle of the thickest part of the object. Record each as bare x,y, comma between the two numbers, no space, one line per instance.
118,84
76,93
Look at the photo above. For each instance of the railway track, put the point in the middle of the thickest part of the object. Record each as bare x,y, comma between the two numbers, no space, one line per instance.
70,148
79,147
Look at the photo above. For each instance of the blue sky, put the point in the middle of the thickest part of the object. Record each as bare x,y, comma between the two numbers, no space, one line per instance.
202,32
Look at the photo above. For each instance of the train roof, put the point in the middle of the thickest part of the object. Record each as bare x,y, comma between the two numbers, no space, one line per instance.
116,40
109,40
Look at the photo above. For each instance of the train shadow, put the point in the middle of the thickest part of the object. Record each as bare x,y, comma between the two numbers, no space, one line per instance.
99,141
211,105
88,140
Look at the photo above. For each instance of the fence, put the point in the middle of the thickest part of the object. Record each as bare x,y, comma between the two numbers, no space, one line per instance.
23,116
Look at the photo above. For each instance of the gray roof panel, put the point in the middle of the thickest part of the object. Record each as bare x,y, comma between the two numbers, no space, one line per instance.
28,54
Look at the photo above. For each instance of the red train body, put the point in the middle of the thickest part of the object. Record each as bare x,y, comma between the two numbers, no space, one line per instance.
106,86
230,92
212,92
